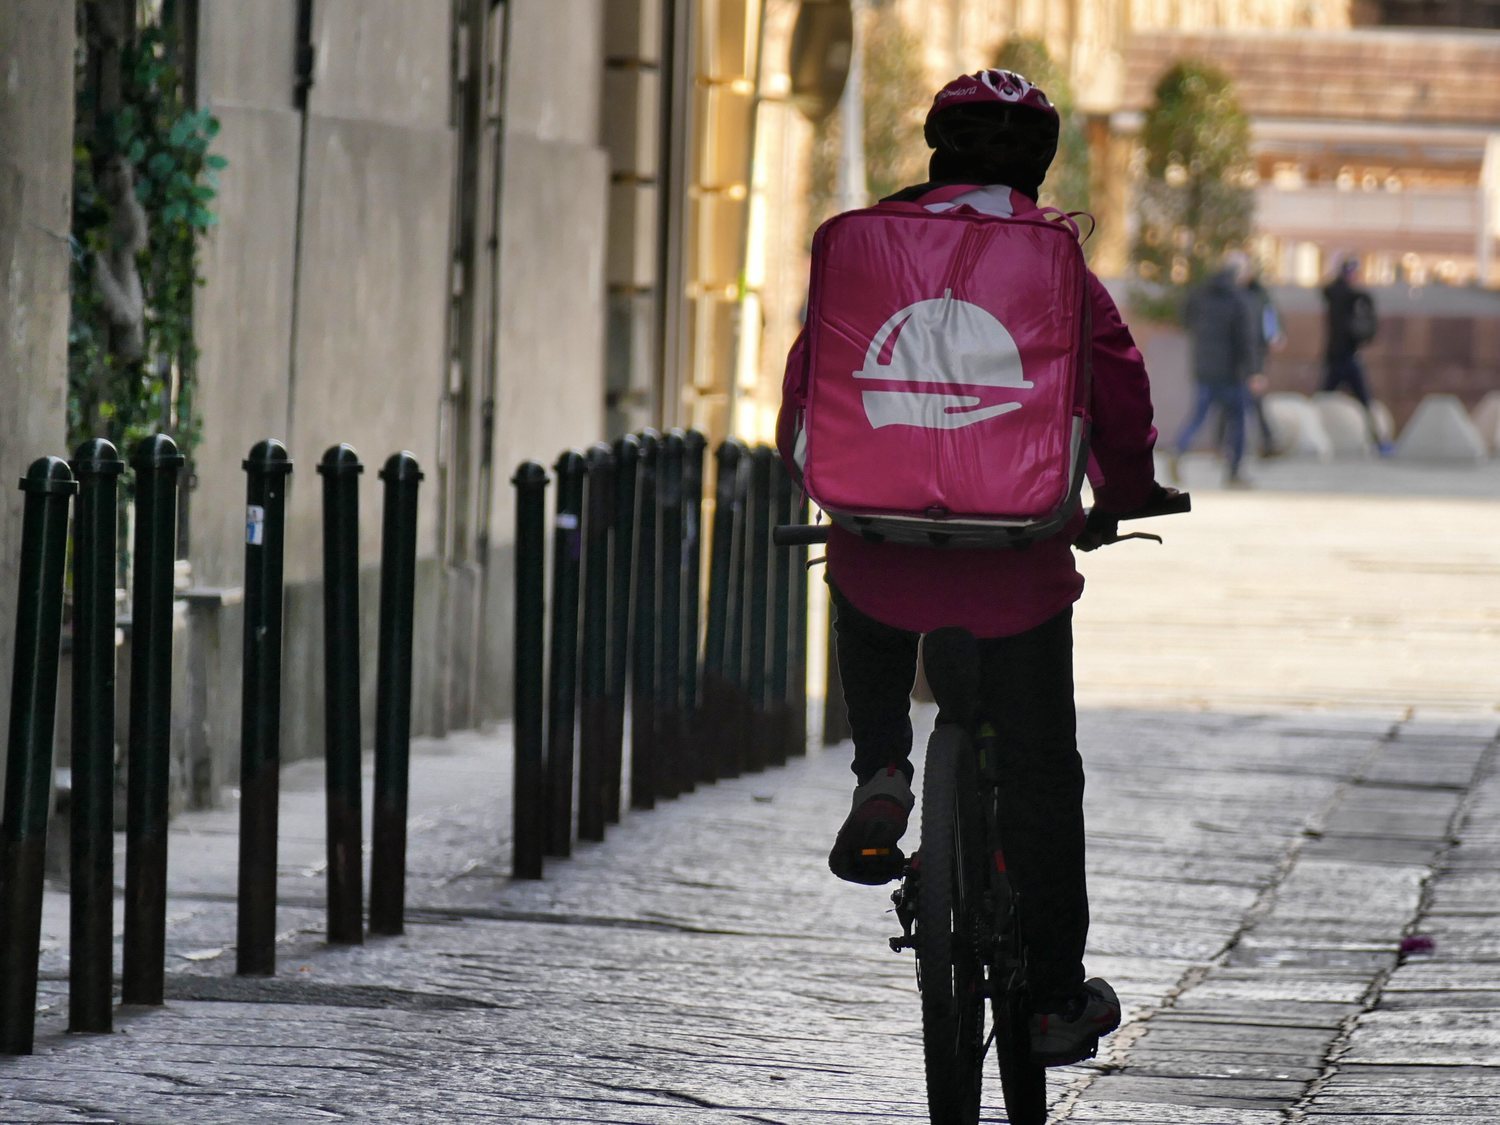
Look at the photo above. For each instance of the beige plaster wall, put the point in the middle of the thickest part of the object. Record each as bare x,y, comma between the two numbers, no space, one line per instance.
36,168
553,238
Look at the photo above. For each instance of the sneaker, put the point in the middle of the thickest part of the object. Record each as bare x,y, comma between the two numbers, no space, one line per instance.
1072,1034
865,850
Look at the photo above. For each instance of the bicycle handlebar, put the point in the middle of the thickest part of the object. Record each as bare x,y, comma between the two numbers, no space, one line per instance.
1168,502
799,534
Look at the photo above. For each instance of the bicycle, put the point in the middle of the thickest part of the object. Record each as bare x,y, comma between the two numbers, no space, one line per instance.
957,908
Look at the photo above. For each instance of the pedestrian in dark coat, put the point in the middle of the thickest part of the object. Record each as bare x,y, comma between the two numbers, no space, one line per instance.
1217,317
1265,336
1350,322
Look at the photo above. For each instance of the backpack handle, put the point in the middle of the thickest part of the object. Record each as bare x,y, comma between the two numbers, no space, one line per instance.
1070,220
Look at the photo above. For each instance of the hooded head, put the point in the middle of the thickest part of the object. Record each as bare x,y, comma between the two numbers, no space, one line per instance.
992,127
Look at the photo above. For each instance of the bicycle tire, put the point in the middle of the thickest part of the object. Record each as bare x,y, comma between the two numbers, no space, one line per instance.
951,977
1023,1082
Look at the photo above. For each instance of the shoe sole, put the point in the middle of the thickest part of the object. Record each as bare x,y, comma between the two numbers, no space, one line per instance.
872,860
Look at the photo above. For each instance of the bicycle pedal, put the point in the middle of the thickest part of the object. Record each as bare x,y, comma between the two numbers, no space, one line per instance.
900,944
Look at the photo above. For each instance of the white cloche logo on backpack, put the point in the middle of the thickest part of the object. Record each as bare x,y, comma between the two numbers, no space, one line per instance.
945,341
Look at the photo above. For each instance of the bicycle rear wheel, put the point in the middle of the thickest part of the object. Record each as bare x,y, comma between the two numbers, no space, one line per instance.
950,974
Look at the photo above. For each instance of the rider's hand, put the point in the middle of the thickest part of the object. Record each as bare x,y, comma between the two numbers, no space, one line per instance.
1099,529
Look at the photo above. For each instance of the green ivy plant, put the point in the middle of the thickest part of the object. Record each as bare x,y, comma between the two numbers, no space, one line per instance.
126,383
1195,200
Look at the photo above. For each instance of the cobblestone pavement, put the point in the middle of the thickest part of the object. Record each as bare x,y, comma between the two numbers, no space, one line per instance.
1306,776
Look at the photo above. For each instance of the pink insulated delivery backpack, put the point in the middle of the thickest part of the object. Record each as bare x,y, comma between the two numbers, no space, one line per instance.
946,384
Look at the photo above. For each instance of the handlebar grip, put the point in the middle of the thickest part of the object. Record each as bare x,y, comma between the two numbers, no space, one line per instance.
1171,504
799,534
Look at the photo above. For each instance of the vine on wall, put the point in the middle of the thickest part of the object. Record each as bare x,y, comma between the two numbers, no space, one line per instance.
144,182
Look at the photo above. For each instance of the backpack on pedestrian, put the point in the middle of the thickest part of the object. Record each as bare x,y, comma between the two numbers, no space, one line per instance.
945,373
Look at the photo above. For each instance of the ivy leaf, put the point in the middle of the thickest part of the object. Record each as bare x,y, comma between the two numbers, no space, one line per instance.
204,218
161,166
216,162
203,193
182,128
137,151
175,211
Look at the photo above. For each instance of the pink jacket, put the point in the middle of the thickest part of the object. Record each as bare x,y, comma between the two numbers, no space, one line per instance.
997,593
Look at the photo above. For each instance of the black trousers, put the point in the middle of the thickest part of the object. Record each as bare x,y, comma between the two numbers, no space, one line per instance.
1026,693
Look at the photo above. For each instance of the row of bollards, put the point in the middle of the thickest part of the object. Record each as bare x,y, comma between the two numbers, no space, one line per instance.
707,699
50,485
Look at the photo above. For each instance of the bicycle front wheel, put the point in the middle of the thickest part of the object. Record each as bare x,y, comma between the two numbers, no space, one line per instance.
950,972
1023,1082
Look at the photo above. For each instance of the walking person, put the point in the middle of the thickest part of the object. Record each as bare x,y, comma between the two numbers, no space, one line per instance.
1266,336
1350,322
1218,321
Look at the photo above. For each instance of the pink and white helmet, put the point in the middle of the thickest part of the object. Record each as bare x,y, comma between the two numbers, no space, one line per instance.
992,87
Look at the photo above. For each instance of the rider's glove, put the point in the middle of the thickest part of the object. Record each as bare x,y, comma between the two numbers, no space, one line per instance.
1102,528
1099,529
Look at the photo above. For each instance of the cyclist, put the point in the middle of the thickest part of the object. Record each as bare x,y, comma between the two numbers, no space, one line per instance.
998,132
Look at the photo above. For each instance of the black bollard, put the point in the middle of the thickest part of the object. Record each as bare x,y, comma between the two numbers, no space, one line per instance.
716,695
737,746
340,470
593,702
398,585
645,759
268,479
725,633
757,591
627,459
778,683
91,890
692,593
797,670
148,768
835,713
668,720
48,484
562,700
530,646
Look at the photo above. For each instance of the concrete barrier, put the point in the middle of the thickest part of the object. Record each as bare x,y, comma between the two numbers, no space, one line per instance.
1486,418
1345,422
1441,430
1296,426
